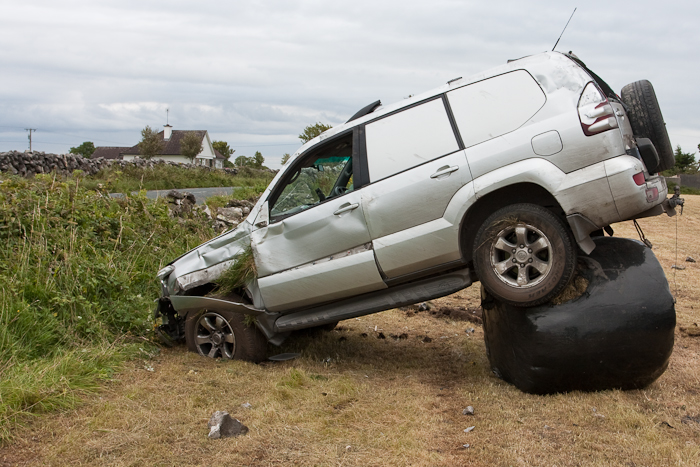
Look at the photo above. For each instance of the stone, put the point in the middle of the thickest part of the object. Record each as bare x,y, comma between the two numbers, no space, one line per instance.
467,430
231,214
690,259
222,425
468,411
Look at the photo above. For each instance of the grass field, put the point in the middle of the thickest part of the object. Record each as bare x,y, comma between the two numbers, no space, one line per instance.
355,398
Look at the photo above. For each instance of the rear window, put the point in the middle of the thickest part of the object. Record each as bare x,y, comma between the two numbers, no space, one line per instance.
408,138
495,106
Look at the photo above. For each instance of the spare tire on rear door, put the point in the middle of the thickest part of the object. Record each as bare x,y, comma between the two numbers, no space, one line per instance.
646,119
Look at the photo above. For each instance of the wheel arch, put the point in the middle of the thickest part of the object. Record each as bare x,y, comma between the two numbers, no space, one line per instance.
485,205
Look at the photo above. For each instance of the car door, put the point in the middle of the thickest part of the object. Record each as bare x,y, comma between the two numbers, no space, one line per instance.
415,166
317,247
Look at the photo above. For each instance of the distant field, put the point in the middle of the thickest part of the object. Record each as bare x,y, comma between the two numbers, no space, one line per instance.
355,398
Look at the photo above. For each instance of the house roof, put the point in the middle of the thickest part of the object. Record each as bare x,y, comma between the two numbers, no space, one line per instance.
218,155
108,152
172,146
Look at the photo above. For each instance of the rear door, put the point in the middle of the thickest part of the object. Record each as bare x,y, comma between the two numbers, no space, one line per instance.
415,164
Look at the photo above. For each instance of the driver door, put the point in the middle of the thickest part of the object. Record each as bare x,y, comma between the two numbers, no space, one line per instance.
316,247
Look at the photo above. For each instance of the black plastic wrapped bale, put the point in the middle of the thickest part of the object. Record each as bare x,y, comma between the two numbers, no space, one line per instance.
617,334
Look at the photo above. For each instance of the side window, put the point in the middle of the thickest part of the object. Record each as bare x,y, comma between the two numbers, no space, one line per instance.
323,174
408,138
496,106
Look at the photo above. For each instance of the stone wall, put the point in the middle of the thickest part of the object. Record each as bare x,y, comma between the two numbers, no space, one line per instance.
692,181
28,164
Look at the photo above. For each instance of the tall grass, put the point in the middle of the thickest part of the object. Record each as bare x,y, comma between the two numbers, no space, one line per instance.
166,177
76,275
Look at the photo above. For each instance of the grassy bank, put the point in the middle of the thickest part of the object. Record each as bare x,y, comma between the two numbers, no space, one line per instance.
76,286
165,177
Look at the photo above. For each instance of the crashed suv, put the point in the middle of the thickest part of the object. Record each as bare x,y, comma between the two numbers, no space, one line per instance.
501,178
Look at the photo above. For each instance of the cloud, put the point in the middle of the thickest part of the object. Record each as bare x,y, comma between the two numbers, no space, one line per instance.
261,71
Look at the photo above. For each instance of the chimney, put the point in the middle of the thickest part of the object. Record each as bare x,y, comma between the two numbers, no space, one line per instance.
168,132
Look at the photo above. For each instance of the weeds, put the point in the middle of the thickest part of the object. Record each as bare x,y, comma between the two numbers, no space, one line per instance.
241,271
76,272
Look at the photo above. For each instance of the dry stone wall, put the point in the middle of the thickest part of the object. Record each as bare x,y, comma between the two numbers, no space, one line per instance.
28,164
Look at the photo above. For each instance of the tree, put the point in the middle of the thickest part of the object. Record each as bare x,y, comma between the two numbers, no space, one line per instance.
150,144
684,160
258,160
86,149
191,145
255,162
223,148
243,161
312,131
285,158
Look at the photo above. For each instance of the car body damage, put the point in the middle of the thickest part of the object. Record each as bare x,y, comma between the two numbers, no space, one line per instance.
500,177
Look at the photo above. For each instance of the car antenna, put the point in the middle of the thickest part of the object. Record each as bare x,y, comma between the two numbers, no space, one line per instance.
562,33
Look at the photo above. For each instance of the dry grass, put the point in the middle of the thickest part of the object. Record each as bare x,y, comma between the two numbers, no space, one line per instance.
354,398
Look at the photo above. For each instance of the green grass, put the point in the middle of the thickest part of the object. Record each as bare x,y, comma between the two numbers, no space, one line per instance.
76,275
241,271
250,193
685,190
166,177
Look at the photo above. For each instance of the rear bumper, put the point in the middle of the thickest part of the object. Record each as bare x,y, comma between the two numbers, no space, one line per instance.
631,199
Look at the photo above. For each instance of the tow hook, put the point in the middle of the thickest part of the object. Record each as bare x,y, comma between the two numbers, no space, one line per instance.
676,199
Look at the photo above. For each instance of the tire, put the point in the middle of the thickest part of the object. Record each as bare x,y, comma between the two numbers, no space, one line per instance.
647,122
224,334
524,255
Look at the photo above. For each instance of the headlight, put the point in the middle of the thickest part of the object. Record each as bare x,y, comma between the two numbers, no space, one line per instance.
165,271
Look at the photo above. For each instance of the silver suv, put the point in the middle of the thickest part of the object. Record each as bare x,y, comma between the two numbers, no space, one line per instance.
501,177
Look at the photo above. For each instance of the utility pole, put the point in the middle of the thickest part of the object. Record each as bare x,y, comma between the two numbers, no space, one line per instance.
30,137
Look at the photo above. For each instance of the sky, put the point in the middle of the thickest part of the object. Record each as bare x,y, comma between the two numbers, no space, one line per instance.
255,73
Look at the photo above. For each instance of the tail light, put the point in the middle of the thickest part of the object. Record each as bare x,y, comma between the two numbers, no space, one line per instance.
595,112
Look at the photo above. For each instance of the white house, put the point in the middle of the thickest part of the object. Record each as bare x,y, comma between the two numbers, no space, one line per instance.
209,157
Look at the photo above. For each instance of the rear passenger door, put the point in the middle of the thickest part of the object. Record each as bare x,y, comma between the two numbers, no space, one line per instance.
415,165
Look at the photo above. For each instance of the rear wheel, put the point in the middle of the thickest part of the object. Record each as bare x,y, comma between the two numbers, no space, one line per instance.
224,334
646,120
524,255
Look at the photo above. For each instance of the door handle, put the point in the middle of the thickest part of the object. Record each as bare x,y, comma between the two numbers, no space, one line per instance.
346,208
445,171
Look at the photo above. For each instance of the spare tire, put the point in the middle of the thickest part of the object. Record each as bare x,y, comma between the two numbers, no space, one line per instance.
647,122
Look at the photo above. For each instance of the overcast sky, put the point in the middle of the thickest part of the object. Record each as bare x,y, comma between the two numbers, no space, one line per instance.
255,73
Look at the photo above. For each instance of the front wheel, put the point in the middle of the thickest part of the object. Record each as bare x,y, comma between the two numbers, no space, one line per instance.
224,334
524,255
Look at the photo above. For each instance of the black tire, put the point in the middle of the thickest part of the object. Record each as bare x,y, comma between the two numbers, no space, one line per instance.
647,122
524,255
224,334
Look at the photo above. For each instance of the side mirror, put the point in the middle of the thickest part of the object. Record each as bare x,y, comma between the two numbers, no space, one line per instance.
263,217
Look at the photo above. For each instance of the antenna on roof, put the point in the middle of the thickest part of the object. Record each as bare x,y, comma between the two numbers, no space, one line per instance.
167,115
562,33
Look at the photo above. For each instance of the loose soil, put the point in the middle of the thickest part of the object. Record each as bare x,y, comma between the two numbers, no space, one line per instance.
389,389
